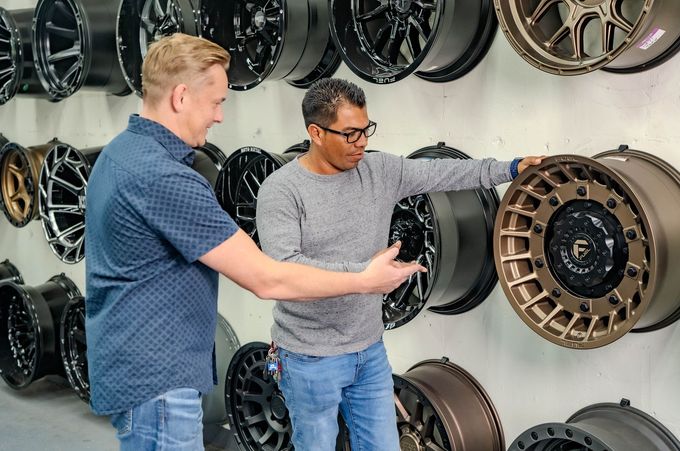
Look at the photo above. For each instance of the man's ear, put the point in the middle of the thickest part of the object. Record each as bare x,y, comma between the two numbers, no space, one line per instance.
178,95
314,133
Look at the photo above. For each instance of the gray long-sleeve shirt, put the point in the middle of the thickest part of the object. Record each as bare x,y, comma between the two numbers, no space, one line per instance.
338,222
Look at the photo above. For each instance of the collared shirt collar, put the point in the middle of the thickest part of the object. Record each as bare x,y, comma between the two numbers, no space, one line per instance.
172,143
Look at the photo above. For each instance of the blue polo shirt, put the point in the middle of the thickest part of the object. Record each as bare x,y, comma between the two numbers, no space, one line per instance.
151,305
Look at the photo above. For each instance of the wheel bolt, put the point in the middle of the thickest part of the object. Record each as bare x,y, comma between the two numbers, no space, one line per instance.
611,203
584,307
556,292
613,300
631,235
581,191
538,228
539,263
554,201
632,272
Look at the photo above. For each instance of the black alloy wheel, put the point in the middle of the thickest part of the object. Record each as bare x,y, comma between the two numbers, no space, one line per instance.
74,46
209,161
29,329
143,22
600,427
451,234
10,273
272,40
73,347
63,191
384,41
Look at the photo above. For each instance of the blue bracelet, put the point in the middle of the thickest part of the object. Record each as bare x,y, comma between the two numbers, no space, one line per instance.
514,167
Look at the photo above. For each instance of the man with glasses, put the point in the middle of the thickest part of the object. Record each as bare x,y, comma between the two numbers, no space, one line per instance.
331,208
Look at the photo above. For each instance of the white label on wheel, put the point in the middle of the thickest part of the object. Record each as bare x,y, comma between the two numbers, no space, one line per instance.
651,39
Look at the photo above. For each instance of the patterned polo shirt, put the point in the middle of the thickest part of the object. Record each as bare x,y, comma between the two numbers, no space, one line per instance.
151,305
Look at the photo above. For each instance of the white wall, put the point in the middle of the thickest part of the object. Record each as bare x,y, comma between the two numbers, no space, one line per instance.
504,108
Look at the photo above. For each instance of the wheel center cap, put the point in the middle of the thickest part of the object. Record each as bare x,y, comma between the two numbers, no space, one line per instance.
581,249
259,19
278,406
407,228
410,442
402,6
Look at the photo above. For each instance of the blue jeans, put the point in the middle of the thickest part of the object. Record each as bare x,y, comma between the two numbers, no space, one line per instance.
169,422
359,384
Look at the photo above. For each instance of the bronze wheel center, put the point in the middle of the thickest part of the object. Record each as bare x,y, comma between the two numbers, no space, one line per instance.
590,3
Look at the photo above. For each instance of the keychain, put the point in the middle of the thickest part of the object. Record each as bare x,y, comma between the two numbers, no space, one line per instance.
273,363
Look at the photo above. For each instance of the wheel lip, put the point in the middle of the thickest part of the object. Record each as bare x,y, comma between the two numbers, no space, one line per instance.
187,13
623,328
16,54
323,69
38,41
16,276
214,153
575,69
76,381
411,68
481,44
47,219
659,60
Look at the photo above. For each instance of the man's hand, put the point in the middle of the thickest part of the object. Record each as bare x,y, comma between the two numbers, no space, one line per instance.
396,244
383,274
529,161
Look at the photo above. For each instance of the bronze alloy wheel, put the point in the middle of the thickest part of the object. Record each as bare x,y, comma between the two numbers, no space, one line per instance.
383,41
584,250
449,233
272,40
440,407
240,181
10,273
573,37
74,44
226,345
19,176
63,190
600,427
29,329
142,22
209,161
73,347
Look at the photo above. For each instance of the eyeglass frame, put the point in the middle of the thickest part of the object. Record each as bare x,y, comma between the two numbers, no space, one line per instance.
347,134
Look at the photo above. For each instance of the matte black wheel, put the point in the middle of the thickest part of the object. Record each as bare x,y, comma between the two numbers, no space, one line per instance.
73,346
209,161
272,40
10,273
63,190
451,235
383,41
29,329
600,427
142,22
74,46
226,346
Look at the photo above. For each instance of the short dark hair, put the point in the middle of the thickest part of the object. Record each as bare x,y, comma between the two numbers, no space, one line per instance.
322,100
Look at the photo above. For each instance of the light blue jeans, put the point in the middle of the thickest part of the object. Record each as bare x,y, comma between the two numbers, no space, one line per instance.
169,422
359,384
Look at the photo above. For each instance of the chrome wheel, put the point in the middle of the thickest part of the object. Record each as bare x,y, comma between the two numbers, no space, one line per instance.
143,22
63,190
571,37
73,346
577,247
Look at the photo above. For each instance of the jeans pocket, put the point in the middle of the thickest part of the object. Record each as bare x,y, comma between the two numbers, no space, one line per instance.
302,358
122,422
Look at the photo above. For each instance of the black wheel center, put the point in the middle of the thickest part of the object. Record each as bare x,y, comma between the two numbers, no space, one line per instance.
259,19
402,6
278,406
586,248
409,229
410,441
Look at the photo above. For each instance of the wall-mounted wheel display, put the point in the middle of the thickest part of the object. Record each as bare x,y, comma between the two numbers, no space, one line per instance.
63,190
209,161
584,250
239,182
600,427
19,175
17,71
73,346
74,46
383,41
576,37
3,141
10,273
440,406
29,329
226,346
439,231
142,22
272,40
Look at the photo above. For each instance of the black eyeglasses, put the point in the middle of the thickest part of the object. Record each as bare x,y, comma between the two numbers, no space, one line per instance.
355,134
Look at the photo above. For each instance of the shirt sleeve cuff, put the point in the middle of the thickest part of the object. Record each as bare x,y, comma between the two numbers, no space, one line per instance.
514,168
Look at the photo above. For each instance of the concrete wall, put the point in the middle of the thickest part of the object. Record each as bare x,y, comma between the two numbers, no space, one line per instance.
504,108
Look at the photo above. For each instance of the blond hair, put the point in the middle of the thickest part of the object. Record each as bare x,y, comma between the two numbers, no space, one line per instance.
175,59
